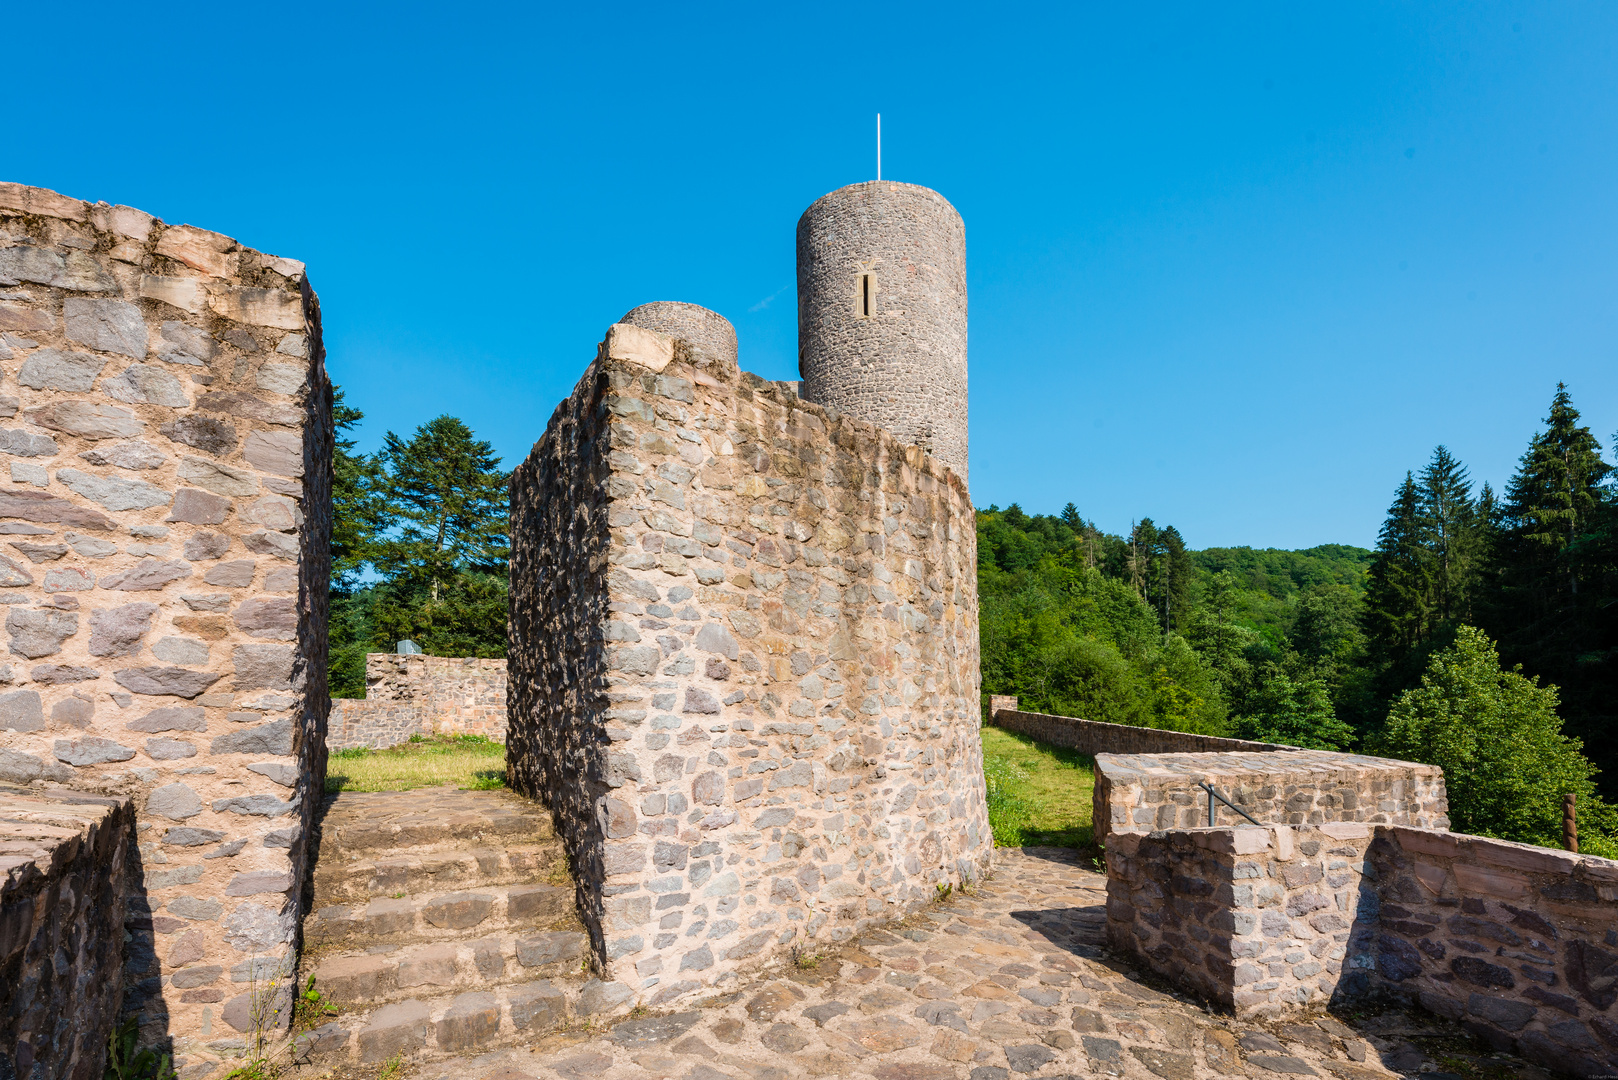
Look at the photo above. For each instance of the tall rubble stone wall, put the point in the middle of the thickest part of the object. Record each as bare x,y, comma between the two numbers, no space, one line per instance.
744,666
64,865
410,693
167,423
1518,943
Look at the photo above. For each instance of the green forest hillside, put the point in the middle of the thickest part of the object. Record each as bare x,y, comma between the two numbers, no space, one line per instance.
1481,634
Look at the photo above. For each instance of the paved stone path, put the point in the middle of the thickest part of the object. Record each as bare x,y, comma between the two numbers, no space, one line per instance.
1013,981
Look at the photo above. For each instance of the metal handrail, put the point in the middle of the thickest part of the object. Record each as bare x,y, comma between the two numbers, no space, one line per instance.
1212,795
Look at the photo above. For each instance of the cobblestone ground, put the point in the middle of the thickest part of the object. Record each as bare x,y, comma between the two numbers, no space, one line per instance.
1013,981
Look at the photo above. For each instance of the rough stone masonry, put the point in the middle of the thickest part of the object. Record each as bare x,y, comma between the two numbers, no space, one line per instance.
164,524
414,694
743,665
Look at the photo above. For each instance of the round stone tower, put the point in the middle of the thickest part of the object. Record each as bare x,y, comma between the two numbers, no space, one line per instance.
712,337
882,312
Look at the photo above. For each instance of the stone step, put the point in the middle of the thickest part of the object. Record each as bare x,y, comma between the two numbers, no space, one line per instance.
435,1026
364,877
386,974
387,822
432,917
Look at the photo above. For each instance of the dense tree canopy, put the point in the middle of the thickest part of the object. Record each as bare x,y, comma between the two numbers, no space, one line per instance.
1339,647
1498,737
419,547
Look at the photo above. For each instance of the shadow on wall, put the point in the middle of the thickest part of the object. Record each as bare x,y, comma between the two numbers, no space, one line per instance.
65,869
1516,943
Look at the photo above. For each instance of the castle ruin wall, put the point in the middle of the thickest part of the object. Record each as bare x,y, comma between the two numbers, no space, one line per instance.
1517,943
165,515
1143,792
1095,737
744,666
63,877
414,694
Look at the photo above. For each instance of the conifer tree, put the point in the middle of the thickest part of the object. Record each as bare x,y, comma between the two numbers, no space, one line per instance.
449,494
356,505
1177,576
1551,503
1143,550
1396,599
1553,576
444,559
357,518
1452,537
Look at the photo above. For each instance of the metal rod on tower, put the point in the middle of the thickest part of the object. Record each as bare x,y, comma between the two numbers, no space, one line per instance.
879,146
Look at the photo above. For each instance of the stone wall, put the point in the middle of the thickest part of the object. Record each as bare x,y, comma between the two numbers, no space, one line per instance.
411,693
166,522
1262,920
744,663
357,722
65,860
882,313
1094,737
1160,791
1518,943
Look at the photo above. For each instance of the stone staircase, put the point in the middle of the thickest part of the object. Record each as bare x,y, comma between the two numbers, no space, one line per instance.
442,922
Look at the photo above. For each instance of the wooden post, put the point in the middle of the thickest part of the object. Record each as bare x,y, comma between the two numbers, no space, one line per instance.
1570,824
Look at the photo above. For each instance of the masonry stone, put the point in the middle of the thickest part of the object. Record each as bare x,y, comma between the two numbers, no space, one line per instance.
134,456
417,694
882,321
677,512
127,330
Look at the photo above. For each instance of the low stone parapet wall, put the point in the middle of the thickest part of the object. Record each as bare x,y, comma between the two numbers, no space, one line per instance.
1259,919
1093,737
1518,943
414,694
357,722
1279,786
63,878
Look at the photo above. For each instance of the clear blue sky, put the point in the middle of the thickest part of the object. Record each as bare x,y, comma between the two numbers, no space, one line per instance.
1235,267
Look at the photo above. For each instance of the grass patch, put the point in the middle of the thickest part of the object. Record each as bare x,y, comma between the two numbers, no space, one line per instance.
469,761
1038,794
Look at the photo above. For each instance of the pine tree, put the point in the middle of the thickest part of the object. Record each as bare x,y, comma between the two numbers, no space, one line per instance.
356,504
449,494
357,518
1554,576
1550,504
444,560
1396,599
1143,551
1452,537
1178,576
